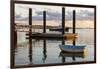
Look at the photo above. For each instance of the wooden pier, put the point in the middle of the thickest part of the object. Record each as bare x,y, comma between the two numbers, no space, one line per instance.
62,35
53,35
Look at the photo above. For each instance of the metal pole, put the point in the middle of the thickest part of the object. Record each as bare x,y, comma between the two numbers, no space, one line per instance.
44,21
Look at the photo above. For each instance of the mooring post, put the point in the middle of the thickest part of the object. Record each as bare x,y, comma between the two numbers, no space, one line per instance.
74,21
74,24
30,33
63,20
63,24
74,30
30,21
44,21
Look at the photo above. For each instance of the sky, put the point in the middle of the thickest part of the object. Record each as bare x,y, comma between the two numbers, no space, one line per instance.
52,12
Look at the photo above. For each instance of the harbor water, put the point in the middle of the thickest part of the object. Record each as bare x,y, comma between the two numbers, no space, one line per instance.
48,51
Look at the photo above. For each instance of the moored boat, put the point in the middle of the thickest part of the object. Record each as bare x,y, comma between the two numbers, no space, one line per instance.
72,48
59,29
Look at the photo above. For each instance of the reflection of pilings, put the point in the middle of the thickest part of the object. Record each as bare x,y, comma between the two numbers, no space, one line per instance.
73,57
15,39
30,51
44,21
44,51
74,21
74,43
63,20
63,59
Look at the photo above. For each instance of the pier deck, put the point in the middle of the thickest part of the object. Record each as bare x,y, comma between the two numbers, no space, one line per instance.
53,35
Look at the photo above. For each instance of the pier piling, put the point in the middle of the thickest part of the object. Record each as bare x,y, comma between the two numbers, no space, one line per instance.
44,21
74,21
63,20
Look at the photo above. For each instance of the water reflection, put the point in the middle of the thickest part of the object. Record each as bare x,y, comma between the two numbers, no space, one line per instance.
73,55
61,54
30,50
44,51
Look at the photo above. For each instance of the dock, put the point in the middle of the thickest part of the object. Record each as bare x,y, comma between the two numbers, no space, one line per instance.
63,35
53,35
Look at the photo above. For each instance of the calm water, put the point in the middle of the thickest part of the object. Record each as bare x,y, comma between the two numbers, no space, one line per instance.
48,51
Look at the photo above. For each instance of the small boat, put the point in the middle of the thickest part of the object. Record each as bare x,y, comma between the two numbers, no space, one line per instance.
72,48
58,29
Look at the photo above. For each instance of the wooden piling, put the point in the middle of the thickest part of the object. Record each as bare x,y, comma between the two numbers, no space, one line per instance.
30,21
63,20
63,23
44,21
74,30
74,21
30,33
30,24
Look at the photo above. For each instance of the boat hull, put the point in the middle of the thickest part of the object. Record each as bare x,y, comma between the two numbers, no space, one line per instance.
59,29
72,48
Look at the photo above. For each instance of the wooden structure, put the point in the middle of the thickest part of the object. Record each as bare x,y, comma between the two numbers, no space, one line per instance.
53,35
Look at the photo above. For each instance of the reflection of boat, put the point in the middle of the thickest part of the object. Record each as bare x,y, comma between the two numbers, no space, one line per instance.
72,48
66,54
58,29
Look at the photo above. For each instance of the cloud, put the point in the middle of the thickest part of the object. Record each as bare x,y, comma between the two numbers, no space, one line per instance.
54,15
84,15
18,17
